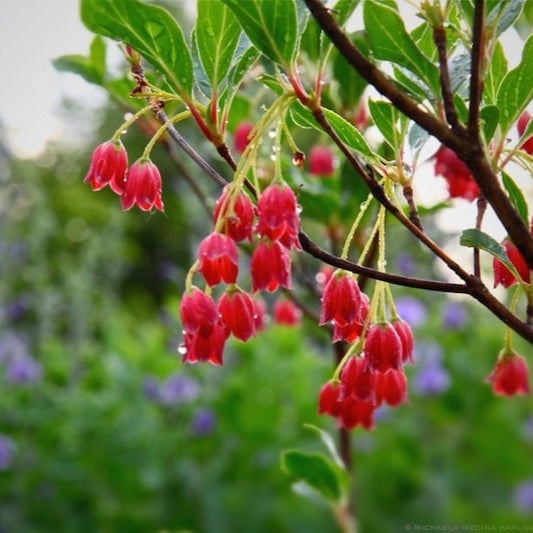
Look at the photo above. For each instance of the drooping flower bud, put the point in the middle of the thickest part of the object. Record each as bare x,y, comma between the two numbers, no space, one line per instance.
403,329
328,399
270,267
287,313
198,312
218,258
341,300
502,275
521,126
240,137
237,213
109,163
142,187
321,161
383,347
510,375
457,175
391,387
237,311
358,380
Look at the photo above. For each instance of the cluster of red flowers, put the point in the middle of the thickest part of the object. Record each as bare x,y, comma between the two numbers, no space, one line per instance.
208,324
373,376
140,185
457,175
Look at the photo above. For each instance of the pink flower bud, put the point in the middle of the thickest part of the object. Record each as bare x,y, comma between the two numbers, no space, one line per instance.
108,166
142,187
218,258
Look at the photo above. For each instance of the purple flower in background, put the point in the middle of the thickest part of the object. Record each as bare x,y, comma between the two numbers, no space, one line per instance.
454,315
178,389
523,496
23,370
204,422
12,345
431,379
7,452
528,428
427,352
411,310
405,264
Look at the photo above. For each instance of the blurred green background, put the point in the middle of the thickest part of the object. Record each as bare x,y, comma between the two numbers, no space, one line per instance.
102,428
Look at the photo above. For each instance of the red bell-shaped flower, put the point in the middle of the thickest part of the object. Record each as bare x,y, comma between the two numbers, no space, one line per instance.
502,275
218,258
403,329
277,215
237,311
237,214
328,399
350,332
521,126
510,375
341,300
270,267
142,187
383,347
321,161
456,173
198,312
287,313
391,387
201,348
358,380
109,163
355,413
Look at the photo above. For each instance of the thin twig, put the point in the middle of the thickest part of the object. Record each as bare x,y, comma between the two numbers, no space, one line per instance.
413,211
439,38
476,84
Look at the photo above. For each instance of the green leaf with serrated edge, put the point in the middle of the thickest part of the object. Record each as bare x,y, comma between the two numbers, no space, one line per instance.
390,41
271,26
497,70
348,133
516,196
516,88
319,472
490,116
328,441
474,238
385,118
417,138
217,35
150,30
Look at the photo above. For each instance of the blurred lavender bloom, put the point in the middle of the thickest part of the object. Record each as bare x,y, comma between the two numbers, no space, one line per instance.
431,379
427,352
178,389
528,428
523,496
204,422
12,345
16,309
23,370
454,315
411,310
150,388
7,452
405,264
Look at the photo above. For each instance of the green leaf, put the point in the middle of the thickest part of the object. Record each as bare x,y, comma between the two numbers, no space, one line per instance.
459,68
417,138
350,83
271,25
516,88
91,68
328,441
217,35
389,41
385,118
319,472
510,11
497,70
150,30
348,133
473,238
490,116
516,196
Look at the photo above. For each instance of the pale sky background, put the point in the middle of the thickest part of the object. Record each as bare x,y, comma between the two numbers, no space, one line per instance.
33,32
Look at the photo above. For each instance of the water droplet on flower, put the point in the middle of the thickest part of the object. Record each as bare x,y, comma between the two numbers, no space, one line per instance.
127,116
182,349
124,131
298,208
272,133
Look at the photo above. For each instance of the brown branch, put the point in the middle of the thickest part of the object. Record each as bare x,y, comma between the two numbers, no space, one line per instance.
417,283
439,38
469,150
476,84
413,211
